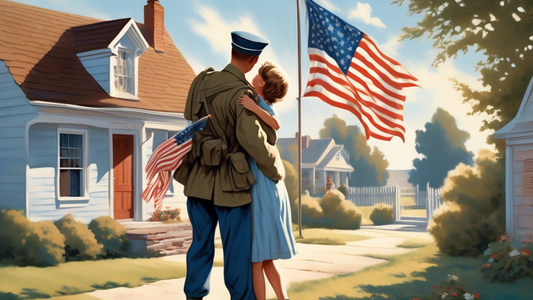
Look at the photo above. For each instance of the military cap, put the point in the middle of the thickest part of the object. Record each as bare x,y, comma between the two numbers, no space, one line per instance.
247,43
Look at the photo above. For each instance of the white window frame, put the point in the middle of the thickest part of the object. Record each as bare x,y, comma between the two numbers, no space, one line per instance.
85,156
130,76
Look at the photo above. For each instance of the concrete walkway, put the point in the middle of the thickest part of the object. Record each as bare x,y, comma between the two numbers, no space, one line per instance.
313,262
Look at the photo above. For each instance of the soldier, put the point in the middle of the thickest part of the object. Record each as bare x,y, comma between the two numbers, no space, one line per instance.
216,174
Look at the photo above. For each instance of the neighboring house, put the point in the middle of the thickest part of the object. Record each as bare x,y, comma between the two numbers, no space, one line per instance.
519,168
320,159
78,97
399,178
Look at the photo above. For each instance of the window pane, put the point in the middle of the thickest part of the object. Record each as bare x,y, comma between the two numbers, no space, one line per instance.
75,183
64,183
63,152
63,163
63,140
72,153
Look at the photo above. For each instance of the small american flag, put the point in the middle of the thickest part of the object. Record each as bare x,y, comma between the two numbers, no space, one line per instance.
166,158
348,71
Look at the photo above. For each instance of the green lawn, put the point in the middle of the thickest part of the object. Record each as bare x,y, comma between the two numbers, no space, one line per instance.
81,277
410,276
328,236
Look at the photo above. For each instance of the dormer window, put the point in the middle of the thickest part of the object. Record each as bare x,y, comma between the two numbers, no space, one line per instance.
110,52
123,72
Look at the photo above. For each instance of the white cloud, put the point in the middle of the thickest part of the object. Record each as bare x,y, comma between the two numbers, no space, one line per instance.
328,5
363,12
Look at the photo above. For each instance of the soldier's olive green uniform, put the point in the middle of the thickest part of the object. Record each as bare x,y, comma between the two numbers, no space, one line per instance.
228,184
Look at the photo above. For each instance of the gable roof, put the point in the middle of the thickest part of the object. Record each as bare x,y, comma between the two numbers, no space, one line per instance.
98,35
316,150
39,48
320,152
522,123
331,155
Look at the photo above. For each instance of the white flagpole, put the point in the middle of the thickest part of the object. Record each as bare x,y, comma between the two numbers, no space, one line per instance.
299,156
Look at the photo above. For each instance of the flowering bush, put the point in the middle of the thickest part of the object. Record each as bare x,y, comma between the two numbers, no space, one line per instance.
166,215
507,260
450,290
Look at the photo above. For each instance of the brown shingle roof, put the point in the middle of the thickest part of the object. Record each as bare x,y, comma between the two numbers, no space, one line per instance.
38,47
97,36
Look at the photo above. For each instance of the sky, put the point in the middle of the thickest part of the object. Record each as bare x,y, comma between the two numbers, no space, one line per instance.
201,31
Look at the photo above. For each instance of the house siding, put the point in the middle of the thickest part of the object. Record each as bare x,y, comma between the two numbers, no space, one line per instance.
99,68
43,201
523,204
15,113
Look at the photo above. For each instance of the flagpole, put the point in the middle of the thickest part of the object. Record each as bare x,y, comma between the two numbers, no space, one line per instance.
299,123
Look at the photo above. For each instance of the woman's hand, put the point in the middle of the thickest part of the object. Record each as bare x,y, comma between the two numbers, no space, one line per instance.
247,102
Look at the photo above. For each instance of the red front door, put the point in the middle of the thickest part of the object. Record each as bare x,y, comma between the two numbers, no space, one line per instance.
123,176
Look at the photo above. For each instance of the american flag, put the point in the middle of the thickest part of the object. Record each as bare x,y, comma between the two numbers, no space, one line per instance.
166,158
348,71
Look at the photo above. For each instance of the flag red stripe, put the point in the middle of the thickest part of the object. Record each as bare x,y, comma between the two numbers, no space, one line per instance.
347,97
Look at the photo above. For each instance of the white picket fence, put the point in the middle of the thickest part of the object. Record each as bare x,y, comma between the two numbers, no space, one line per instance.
434,201
370,196
414,192
391,195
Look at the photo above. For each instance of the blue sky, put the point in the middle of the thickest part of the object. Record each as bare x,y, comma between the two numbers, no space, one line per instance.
201,31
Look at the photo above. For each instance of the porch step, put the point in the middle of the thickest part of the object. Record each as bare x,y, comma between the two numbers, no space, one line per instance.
159,239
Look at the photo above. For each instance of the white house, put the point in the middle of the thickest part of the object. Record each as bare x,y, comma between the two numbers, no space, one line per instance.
78,99
519,168
321,158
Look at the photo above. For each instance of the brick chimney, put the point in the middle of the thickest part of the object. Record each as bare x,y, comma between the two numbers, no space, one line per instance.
154,25
306,139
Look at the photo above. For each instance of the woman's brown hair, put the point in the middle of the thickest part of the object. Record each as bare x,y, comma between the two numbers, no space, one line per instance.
276,85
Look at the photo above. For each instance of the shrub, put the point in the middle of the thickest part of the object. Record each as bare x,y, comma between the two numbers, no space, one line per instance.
80,242
167,216
24,242
474,212
343,189
382,214
111,235
507,260
332,211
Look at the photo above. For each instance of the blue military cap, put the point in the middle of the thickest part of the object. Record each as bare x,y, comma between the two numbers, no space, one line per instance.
247,43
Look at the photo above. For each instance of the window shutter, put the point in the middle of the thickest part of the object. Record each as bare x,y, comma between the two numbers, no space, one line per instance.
528,177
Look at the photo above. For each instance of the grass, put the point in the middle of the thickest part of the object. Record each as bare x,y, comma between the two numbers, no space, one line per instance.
414,212
333,236
81,277
410,276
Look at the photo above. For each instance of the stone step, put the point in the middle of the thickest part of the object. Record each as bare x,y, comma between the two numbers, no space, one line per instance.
174,241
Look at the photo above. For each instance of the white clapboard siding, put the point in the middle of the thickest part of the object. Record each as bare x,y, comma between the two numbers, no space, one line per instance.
43,201
15,113
370,196
434,201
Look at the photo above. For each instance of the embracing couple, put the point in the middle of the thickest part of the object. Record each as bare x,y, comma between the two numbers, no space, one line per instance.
233,175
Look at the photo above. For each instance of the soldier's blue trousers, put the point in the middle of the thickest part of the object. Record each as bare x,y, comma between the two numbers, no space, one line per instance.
236,234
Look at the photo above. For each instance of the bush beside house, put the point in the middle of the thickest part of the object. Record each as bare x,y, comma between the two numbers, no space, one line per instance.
45,243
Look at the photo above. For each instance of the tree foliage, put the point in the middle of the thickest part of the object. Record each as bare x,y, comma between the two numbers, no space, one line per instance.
501,30
370,165
443,145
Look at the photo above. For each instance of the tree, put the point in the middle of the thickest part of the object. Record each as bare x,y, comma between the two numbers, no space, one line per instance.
370,165
501,30
443,145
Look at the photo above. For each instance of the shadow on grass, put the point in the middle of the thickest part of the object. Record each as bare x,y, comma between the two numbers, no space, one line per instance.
465,268
8,296
109,285
66,290
320,241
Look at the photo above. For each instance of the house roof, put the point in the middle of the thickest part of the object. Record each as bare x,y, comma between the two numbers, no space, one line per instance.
325,163
98,35
320,152
522,123
316,150
39,48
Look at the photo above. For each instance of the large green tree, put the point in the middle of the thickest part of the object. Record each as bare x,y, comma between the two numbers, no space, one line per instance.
443,147
501,30
370,165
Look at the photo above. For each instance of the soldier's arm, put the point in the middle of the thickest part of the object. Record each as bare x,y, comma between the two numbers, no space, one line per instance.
253,139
